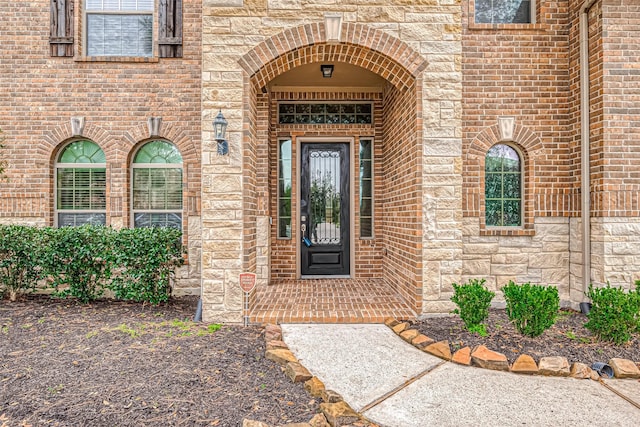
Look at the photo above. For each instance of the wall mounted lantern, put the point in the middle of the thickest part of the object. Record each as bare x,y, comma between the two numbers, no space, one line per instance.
219,130
327,70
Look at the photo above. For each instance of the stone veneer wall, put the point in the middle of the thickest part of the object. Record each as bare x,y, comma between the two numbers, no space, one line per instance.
250,40
542,258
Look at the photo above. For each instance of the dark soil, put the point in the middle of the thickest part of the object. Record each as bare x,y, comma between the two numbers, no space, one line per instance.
567,338
123,364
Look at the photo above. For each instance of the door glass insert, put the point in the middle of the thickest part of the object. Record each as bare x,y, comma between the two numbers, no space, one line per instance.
324,195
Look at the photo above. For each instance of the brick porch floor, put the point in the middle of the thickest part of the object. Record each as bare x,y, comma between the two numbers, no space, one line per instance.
328,301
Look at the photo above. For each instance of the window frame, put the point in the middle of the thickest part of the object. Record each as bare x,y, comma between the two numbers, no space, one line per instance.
522,170
65,165
533,13
278,195
135,165
85,30
371,161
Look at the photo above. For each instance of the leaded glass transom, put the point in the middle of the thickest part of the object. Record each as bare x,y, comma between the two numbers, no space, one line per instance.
324,113
503,187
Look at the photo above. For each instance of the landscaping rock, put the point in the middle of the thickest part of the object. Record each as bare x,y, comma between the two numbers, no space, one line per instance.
594,375
524,364
319,420
297,373
400,327
554,366
391,322
339,414
295,425
273,345
314,387
280,356
273,333
623,368
439,349
488,359
330,396
421,341
252,423
581,371
462,356
409,335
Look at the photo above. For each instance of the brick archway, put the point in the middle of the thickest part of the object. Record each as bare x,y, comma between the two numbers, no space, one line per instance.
399,265
360,45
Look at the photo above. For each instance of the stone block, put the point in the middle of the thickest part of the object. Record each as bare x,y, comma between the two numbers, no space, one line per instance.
623,368
554,366
252,423
318,420
391,322
581,371
421,341
275,344
273,333
330,396
439,349
462,356
524,364
280,356
297,373
400,327
339,414
314,387
488,359
409,335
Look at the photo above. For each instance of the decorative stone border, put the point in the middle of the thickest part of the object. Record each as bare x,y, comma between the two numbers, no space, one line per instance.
334,412
482,357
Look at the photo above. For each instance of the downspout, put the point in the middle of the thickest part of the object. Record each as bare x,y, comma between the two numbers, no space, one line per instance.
585,141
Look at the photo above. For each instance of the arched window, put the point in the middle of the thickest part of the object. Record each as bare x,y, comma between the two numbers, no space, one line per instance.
157,186
503,187
80,177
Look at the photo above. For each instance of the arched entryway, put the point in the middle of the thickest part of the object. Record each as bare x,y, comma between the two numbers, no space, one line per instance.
332,176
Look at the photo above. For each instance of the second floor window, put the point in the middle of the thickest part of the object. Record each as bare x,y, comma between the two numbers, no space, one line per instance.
503,11
119,28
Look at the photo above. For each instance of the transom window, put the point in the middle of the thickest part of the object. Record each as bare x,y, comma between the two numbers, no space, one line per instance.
119,27
157,186
80,185
503,11
322,113
503,187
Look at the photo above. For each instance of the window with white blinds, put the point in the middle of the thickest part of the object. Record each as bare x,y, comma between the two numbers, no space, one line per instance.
157,186
80,185
119,27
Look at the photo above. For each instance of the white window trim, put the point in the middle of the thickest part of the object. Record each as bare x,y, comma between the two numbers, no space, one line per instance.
522,189
58,166
85,32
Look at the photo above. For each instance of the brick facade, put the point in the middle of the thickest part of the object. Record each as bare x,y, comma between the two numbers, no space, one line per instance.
39,95
452,89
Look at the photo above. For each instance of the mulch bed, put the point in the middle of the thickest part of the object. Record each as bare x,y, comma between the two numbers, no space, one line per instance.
567,338
123,364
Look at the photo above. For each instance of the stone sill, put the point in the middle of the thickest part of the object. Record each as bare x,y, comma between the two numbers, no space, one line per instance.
507,232
138,59
508,27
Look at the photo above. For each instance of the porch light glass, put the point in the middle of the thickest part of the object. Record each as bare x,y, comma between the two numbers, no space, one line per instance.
219,130
327,70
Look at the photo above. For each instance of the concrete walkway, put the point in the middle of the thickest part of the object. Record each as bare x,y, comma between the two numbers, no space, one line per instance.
395,385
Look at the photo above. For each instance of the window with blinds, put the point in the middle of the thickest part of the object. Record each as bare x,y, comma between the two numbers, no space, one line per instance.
80,185
157,186
119,27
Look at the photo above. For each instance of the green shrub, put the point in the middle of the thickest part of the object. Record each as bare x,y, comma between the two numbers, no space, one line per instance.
473,300
79,260
531,308
614,314
20,249
146,259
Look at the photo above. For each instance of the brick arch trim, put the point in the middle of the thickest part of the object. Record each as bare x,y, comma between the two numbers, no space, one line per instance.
61,134
168,131
530,147
360,45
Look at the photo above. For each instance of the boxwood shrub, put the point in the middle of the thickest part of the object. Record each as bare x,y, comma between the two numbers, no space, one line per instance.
531,308
614,314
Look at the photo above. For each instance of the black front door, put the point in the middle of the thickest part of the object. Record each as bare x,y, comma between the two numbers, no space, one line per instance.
324,209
